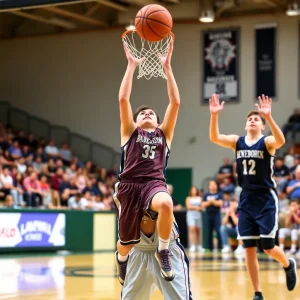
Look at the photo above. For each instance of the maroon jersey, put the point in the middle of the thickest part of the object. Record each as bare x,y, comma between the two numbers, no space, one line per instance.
144,156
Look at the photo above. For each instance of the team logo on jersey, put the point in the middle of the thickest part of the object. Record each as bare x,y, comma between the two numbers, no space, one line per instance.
142,139
250,154
219,54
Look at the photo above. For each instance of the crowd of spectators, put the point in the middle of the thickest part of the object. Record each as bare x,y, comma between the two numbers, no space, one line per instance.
39,173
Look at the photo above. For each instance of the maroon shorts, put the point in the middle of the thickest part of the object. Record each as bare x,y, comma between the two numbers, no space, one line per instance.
132,201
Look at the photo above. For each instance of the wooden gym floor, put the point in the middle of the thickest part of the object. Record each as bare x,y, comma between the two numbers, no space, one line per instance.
91,277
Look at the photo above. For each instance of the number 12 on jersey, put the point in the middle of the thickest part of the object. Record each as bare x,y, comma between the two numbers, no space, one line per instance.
249,167
149,151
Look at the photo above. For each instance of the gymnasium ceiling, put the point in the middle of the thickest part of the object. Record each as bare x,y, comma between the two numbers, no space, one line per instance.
81,15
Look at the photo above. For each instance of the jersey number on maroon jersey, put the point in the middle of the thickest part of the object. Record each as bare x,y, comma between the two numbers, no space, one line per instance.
149,151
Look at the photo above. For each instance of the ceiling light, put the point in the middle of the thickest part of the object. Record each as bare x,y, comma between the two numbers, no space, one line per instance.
207,16
293,9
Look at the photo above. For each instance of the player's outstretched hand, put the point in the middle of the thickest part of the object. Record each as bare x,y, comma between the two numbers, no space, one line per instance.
166,60
264,106
131,59
214,104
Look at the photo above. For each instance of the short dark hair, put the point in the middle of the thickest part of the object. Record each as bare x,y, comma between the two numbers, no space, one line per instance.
256,113
144,107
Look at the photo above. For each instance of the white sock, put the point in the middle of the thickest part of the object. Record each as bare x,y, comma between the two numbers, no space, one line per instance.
281,246
122,258
163,244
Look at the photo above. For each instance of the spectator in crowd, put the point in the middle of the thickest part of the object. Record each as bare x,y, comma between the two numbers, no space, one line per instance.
194,220
9,202
77,202
32,142
212,203
33,190
51,150
289,158
37,164
6,181
17,192
176,205
46,192
229,227
56,180
227,186
15,150
65,153
293,188
296,163
292,226
283,207
293,124
20,163
225,171
281,173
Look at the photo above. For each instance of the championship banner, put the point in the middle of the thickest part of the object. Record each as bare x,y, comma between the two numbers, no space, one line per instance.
32,230
265,60
221,64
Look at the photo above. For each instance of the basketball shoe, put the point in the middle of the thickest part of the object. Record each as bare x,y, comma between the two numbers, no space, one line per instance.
258,297
121,269
166,269
291,274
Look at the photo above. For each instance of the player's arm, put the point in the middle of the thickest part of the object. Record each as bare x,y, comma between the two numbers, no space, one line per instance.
276,140
126,116
170,118
227,141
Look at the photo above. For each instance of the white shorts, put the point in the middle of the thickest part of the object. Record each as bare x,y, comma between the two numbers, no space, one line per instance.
193,218
143,275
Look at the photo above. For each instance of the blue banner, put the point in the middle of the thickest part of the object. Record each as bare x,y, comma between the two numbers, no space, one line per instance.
265,60
32,230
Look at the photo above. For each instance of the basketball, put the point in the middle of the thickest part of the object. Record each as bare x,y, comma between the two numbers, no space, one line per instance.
153,22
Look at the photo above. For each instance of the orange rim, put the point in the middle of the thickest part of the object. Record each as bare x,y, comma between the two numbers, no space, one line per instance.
134,30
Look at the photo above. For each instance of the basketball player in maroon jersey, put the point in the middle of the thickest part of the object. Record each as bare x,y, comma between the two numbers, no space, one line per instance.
145,144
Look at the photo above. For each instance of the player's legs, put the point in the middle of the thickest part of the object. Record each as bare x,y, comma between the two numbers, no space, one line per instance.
139,282
129,216
267,220
248,231
252,264
163,205
179,288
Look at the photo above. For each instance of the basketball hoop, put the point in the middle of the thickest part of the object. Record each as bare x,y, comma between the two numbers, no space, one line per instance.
151,51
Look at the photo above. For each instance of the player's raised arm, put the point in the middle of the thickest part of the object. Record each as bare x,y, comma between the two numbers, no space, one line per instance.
228,141
170,118
127,123
276,140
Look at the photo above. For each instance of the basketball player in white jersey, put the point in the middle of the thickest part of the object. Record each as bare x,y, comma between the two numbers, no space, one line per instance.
143,275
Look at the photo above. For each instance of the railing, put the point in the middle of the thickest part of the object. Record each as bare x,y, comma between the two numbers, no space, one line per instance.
83,147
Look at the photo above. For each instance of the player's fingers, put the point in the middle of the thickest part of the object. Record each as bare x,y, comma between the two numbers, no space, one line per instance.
260,101
222,104
270,100
257,106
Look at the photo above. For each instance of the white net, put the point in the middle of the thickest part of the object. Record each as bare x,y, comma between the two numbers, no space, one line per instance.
151,51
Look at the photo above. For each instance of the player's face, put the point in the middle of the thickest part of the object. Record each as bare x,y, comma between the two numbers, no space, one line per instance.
254,124
147,118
